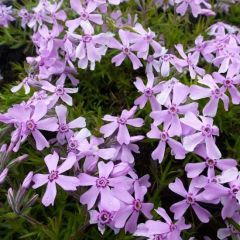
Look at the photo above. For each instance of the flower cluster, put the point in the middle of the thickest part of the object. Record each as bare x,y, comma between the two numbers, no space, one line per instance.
114,194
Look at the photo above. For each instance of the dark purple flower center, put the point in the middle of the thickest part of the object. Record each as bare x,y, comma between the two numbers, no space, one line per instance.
158,237
217,93
210,163
199,47
213,180
228,83
122,120
59,90
173,109
148,92
53,175
189,62
102,182
166,57
73,144
234,190
84,16
87,38
104,217
137,205
63,127
126,50
190,199
30,125
150,58
172,227
221,46
207,131
149,37
164,136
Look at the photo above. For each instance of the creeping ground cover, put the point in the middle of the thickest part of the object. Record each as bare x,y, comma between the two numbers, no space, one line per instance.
120,119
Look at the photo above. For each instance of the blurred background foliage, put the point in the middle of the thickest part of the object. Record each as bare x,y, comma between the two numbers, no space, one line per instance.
108,89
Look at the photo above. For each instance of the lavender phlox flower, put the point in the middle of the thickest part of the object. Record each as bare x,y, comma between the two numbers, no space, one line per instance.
77,139
167,89
165,60
148,93
213,91
205,132
29,80
65,129
59,91
195,169
142,41
86,15
191,198
68,183
190,61
103,218
120,123
174,108
125,48
103,185
92,151
6,13
165,138
228,195
230,84
128,214
124,152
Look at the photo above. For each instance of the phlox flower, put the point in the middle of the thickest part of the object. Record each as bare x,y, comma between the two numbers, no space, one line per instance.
220,29
163,230
199,48
124,152
29,80
102,218
205,134
190,60
120,124
86,16
174,108
165,138
125,48
59,91
90,47
30,122
165,60
195,169
103,186
92,151
167,89
68,183
148,93
230,83
230,230
191,198
228,195
143,40
152,62
5,15
213,91
129,213
75,141
48,64
65,129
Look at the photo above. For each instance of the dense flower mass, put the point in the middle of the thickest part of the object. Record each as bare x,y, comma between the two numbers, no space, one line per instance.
176,106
